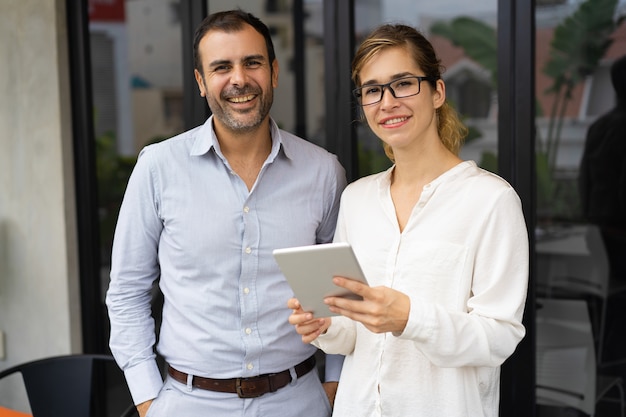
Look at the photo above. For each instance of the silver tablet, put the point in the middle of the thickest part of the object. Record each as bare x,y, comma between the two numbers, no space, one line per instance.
310,270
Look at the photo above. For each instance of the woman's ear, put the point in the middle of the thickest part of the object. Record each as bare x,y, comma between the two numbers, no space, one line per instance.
439,94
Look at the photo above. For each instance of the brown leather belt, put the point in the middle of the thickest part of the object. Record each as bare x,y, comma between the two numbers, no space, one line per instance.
251,387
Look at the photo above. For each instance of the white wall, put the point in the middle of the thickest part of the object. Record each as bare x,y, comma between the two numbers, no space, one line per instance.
39,300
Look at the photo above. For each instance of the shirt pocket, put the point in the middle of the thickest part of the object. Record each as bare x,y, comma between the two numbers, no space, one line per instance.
433,271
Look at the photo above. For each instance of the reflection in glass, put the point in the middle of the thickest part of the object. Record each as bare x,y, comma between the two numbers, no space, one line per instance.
576,44
136,65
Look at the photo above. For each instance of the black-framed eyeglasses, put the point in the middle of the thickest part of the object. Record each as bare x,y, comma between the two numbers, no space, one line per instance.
400,88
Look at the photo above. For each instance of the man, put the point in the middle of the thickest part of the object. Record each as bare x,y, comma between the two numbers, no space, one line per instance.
602,177
202,212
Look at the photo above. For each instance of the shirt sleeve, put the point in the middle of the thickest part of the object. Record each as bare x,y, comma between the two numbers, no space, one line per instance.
336,184
339,339
134,269
488,333
333,367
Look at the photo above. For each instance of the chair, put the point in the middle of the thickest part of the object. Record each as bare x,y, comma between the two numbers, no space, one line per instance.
582,275
566,366
6,412
614,288
82,385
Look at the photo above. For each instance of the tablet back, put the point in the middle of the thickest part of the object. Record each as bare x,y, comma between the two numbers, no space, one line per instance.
310,269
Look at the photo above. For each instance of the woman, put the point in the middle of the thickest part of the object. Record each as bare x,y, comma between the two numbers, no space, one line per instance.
442,242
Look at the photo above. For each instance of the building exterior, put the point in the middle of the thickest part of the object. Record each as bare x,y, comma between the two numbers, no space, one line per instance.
52,284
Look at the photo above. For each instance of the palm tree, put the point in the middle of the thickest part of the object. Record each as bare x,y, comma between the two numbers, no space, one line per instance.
578,45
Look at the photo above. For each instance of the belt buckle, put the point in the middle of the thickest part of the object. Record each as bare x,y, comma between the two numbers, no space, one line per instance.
240,389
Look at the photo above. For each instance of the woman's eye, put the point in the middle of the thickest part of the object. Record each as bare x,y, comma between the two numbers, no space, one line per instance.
404,83
372,90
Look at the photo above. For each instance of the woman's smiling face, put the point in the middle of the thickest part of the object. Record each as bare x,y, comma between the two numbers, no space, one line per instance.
400,122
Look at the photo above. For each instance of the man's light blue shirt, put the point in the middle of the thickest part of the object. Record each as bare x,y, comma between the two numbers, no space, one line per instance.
189,219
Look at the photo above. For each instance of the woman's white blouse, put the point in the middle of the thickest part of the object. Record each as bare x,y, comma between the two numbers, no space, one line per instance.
463,261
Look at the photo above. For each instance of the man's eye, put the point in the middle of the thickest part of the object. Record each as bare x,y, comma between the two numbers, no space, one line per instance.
221,68
253,64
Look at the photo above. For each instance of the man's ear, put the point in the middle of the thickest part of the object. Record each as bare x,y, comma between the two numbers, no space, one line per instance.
200,81
275,71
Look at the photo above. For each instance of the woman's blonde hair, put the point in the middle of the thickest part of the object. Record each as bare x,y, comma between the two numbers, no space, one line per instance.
451,130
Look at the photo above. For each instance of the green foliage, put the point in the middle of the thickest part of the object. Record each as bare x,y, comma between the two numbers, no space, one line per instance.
478,40
545,185
473,133
578,45
489,161
372,160
113,172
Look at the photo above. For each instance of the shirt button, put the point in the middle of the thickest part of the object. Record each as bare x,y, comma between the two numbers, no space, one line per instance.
250,366
246,290
248,330
246,209
248,250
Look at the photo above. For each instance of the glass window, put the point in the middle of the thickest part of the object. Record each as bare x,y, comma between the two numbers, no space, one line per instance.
137,89
581,218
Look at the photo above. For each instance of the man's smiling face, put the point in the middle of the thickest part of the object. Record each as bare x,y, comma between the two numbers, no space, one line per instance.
237,78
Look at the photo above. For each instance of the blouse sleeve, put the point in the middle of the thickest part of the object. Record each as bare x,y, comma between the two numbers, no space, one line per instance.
488,332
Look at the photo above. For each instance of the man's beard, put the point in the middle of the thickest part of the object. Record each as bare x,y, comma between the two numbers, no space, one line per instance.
242,121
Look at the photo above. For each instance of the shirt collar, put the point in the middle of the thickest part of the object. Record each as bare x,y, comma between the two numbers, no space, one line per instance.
206,139
384,180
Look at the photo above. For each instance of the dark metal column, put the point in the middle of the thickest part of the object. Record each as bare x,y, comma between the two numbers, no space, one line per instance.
195,108
299,68
91,300
338,53
516,138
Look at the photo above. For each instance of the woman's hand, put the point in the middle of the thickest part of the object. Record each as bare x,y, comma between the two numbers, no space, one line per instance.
306,324
381,310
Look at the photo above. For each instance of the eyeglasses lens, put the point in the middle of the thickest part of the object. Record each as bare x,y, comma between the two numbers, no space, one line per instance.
400,88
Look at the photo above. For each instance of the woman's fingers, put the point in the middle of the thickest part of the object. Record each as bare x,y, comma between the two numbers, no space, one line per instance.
294,304
357,287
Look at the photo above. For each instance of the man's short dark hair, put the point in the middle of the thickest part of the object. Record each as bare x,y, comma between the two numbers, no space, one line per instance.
230,21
